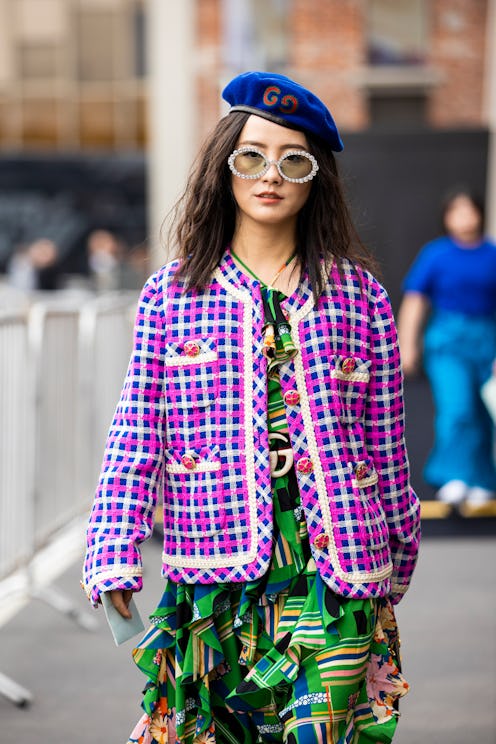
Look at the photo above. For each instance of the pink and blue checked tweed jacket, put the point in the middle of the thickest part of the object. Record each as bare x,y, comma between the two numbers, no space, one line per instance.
191,429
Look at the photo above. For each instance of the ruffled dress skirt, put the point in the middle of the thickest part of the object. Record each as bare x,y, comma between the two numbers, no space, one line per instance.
279,659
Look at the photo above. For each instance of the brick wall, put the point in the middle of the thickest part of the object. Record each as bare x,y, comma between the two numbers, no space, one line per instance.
328,52
328,47
208,64
458,41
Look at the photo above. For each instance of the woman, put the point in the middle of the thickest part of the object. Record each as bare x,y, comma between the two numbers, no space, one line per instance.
454,280
264,400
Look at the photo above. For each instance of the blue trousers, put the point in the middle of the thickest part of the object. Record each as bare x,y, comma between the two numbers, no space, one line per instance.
458,354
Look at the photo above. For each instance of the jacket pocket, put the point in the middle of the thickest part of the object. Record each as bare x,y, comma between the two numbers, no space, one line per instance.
365,484
193,494
192,372
349,382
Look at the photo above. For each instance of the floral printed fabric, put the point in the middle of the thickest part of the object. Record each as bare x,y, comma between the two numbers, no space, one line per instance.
290,657
330,672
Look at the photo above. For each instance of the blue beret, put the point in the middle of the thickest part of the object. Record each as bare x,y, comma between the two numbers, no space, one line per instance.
281,100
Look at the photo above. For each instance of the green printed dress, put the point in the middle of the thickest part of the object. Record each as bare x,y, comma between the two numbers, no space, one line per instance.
279,659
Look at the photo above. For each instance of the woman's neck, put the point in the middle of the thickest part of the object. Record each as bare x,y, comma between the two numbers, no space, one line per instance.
471,240
264,251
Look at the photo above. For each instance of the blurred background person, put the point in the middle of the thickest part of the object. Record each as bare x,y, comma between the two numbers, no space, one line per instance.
452,285
20,270
44,255
135,267
35,266
105,255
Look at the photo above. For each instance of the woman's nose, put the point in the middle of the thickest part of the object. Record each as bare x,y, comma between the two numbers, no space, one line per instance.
272,173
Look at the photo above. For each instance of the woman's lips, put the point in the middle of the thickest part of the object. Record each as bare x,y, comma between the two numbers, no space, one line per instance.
269,196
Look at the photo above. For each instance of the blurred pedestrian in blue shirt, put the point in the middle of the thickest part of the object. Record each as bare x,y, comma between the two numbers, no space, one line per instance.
452,283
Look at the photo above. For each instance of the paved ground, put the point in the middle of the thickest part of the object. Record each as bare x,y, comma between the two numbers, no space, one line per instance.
87,690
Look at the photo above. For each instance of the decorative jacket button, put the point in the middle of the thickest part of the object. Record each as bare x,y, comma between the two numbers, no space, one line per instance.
361,471
348,365
291,397
321,541
191,348
304,465
188,461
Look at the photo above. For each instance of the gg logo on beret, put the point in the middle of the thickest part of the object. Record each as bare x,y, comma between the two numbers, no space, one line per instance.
288,103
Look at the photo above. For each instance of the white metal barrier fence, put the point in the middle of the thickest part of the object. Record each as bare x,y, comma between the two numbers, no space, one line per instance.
105,346
16,442
62,364
57,481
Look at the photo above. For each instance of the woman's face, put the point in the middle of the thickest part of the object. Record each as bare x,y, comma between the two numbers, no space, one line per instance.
269,199
462,219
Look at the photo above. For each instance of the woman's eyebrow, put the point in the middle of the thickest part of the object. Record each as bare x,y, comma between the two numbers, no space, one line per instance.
262,145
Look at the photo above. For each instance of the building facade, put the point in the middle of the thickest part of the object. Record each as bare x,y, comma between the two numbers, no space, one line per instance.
116,95
73,72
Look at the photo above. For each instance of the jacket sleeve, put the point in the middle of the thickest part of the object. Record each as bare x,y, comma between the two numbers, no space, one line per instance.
385,438
125,500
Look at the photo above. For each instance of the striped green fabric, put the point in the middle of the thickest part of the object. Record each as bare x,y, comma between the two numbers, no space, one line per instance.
278,346
277,414
301,666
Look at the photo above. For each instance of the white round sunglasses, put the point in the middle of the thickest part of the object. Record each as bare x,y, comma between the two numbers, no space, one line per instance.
296,166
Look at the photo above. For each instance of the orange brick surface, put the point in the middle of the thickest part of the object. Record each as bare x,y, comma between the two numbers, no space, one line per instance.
327,52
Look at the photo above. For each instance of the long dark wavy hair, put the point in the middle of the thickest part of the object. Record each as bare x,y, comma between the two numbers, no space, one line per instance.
204,217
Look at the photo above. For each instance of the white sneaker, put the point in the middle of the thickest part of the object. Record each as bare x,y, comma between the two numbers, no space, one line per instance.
453,492
478,496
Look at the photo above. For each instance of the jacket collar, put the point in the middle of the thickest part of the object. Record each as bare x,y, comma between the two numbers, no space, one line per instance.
297,304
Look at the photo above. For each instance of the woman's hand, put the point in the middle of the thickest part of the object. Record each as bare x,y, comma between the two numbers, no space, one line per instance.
410,360
411,318
120,598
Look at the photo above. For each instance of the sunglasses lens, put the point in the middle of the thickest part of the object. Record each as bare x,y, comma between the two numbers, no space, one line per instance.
296,166
249,163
